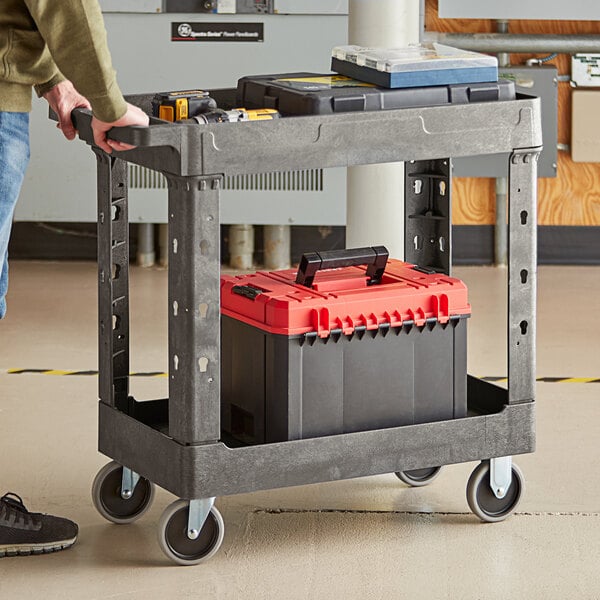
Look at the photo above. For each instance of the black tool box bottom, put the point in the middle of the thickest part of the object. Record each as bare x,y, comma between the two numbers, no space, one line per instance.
277,388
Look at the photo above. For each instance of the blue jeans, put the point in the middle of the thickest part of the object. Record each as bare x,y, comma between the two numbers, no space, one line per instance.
14,156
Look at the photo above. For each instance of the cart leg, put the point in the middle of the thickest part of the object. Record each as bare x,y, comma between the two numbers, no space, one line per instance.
113,281
194,299
522,274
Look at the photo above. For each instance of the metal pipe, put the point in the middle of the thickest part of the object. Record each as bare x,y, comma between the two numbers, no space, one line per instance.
500,229
503,57
277,246
517,43
145,250
241,246
163,244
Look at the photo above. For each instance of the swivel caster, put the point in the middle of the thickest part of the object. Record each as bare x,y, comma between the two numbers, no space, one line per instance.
419,477
177,541
113,501
482,500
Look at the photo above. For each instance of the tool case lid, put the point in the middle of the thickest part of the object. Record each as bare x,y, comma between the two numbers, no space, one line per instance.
313,93
341,300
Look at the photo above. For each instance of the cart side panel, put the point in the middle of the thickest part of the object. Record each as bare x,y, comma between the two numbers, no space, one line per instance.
522,276
113,280
194,309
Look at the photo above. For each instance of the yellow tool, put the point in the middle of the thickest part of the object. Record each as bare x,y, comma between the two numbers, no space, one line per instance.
234,116
177,106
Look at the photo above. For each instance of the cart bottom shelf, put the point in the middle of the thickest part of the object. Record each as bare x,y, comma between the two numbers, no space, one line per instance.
139,441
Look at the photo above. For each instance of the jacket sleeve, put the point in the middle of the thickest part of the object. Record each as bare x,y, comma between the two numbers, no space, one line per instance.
57,77
75,35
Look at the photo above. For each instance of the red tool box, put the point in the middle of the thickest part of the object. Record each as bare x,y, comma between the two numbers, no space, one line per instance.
333,348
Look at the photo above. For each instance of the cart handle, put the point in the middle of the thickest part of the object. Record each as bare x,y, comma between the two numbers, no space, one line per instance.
136,135
375,256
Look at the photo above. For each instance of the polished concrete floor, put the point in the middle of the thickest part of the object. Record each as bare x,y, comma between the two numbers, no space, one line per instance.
366,538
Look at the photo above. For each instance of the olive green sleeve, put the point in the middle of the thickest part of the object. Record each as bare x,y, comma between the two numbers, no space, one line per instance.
42,88
75,35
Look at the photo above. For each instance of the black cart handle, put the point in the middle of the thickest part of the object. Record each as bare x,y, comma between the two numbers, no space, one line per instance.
375,256
136,135
160,134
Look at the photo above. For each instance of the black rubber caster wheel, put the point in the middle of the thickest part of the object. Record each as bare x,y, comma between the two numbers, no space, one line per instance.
419,477
106,495
482,500
174,541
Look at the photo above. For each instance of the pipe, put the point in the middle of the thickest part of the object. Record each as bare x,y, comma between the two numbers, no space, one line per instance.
163,244
503,57
517,43
500,229
277,246
145,250
241,246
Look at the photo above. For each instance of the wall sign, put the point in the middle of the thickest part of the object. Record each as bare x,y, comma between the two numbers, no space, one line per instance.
217,32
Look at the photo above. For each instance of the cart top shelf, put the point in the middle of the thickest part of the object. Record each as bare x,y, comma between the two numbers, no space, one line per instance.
337,140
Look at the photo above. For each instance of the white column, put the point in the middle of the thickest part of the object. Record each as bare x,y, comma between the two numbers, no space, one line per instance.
375,206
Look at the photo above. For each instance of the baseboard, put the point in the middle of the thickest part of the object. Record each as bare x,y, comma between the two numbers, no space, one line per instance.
557,245
58,241
77,241
472,244
564,245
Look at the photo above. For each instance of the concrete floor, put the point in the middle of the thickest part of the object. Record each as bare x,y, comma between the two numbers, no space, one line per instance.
366,538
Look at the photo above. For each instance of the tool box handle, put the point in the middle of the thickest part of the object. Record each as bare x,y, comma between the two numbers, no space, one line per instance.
375,256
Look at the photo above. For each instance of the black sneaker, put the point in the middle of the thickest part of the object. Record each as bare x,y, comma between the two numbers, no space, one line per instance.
23,533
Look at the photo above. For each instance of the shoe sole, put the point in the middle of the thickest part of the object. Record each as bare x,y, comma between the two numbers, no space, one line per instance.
35,549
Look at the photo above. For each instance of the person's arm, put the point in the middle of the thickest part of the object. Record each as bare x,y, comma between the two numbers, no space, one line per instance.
76,38
75,35
63,98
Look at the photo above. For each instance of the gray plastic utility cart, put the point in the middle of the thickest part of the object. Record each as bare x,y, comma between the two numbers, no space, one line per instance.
177,443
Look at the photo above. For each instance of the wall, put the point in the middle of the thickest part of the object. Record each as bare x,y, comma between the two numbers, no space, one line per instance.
573,197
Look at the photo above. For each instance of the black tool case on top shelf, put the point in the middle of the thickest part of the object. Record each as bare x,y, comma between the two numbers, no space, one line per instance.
312,93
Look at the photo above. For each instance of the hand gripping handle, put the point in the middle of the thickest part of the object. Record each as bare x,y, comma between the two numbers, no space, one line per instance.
375,257
133,134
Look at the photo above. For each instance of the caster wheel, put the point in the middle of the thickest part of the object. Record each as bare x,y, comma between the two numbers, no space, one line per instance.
482,500
174,541
106,495
419,477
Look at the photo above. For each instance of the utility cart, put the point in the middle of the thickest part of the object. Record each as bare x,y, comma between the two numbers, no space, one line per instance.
177,442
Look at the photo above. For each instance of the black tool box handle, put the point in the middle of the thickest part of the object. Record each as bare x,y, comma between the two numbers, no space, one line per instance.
375,256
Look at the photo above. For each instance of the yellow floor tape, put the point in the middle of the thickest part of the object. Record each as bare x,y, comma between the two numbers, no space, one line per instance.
162,374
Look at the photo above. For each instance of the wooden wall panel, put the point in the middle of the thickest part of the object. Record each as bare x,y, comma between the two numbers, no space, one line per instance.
473,201
573,197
